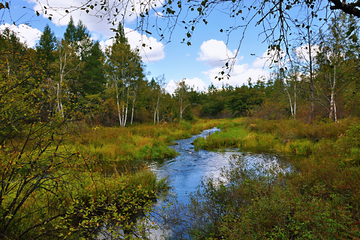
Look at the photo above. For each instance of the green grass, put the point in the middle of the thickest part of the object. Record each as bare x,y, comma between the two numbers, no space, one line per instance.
90,179
141,142
319,199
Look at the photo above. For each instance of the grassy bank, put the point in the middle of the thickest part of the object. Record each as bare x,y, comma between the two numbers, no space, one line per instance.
73,181
141,142
319,199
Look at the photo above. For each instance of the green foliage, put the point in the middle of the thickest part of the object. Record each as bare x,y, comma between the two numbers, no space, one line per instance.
94,77
48,187
243,99
252,201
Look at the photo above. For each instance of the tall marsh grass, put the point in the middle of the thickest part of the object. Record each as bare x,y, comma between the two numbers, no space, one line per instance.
141,142
319,199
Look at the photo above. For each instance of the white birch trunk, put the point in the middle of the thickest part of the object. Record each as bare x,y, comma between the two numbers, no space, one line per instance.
156,112
133,106
181,110
295,100
332,97
126,109
63,63
290,102
118,106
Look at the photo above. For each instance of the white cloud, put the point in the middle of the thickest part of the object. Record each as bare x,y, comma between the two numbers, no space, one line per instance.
26,34
100,28
170,87
239,75
196,83
129,9
303,52
215,53
269,57
153,50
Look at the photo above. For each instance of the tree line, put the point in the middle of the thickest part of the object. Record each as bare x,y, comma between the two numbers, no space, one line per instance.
74,78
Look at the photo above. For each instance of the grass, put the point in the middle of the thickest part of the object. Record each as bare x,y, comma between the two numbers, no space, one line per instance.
319,199
141,142
83,182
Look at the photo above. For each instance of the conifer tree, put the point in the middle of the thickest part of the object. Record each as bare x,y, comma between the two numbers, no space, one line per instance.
46,49
93,77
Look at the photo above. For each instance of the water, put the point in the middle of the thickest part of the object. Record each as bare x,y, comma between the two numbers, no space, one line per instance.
186,171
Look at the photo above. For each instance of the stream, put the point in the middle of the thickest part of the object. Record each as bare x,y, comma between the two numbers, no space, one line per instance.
186,171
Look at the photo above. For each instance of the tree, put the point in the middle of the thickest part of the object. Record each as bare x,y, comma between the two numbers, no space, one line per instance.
78,39
28,147
158,88
93,77
124,70
182,94
70,34
46,49
243,99
292,88
275,17
46,189
337,48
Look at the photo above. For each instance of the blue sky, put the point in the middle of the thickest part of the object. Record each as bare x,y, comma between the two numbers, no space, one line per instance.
198,63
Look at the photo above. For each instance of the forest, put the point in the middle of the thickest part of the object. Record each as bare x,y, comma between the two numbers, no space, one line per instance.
79,81
71,111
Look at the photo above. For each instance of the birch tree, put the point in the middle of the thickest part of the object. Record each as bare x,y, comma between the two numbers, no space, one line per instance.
67,63
159,90
292,89
124,70
181,93
336,50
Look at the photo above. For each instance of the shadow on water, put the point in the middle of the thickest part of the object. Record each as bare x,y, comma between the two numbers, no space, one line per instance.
186,171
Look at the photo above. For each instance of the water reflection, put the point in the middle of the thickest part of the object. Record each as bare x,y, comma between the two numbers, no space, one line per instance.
186,171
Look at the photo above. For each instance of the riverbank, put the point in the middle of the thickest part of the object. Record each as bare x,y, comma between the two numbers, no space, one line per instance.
319,199
76,182
96,177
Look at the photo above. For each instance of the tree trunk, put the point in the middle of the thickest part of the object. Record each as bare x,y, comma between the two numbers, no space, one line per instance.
295,100
312,108
118,106
156,112
133,106
332,97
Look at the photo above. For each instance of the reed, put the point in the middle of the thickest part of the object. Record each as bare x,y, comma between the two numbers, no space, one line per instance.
318,199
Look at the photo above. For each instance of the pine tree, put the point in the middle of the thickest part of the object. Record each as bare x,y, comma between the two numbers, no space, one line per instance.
70,34
46,49
93,77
